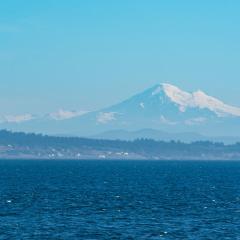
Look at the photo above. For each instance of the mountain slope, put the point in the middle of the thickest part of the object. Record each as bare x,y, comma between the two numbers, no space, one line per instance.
163,107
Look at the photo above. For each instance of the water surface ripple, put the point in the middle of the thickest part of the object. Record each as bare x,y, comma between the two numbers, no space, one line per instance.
119,200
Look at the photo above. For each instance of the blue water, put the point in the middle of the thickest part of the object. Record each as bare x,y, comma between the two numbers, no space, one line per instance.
119,200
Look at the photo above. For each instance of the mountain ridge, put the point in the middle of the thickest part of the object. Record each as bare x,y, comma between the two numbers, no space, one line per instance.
158,135
163,107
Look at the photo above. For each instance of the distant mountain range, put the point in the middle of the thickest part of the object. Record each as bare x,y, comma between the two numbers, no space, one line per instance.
158,135
165,110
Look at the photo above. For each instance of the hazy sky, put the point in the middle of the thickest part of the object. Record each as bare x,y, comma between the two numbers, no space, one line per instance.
84,55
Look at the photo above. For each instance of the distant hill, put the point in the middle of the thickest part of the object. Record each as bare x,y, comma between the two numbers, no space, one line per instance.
21,145
159,135
149,134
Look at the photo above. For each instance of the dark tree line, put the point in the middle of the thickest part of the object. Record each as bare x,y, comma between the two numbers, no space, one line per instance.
140,146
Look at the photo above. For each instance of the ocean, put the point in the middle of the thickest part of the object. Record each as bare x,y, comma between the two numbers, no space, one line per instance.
119,199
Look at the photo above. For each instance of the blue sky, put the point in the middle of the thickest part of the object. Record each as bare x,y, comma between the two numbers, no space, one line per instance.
84,55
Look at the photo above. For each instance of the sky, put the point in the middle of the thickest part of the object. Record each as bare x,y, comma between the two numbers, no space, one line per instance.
85,55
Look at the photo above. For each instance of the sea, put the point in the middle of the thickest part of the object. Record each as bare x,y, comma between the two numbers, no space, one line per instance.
104,199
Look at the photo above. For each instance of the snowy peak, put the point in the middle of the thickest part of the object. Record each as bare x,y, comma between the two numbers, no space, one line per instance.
198,99
176,95
65,114
164,107
202,100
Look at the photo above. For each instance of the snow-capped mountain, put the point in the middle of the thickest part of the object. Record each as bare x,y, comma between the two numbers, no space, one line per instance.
196,99
165,97
163,107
